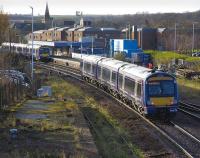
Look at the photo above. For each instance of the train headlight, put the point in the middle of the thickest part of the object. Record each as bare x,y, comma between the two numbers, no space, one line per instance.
174,101
150,102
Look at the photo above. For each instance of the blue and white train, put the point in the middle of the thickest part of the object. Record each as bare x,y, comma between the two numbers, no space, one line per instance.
150,92
39,52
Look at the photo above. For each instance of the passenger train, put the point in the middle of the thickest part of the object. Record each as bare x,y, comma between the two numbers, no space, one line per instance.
39,52
151,92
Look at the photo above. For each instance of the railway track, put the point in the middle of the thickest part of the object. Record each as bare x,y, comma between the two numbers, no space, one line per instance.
190,109
183,140
188,143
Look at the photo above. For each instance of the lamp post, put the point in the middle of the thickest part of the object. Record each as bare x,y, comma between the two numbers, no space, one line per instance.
92,45
32,47
175,37
193,34
192,37
81,47
142,38
126,29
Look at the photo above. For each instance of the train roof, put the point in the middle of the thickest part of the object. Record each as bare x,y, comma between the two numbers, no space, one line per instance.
136,71
34,46
21,45
92,58
112,63
130,70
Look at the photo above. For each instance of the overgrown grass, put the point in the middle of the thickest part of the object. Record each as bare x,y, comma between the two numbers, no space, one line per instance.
163,57
105,146
189,90
61,88
194,84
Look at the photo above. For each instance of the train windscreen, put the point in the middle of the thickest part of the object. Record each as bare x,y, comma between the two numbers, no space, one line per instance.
163,88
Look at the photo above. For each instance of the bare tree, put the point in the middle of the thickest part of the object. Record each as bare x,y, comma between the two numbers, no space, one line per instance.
4,25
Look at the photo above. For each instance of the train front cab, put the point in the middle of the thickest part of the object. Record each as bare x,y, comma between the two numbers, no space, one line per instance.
161,95
45,53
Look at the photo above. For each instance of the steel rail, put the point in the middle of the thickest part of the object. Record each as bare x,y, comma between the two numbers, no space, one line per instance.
185,132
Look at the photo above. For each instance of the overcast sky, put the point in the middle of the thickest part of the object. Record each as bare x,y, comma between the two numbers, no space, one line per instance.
64,7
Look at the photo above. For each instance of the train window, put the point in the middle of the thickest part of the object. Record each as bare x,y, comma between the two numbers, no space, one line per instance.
94,69
19,49
106,74
138,90
129,85
81,65
120,80
87,67
113,77
99,72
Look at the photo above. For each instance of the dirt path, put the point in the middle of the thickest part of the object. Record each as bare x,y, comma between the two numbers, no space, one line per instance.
46,128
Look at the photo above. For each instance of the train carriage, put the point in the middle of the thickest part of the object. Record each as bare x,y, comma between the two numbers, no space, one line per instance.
39,52
89,66
150,92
